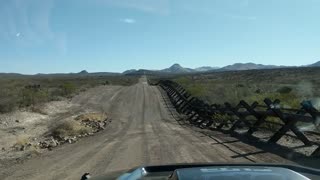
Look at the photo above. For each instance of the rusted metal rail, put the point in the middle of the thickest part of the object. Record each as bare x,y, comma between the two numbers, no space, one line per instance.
252,116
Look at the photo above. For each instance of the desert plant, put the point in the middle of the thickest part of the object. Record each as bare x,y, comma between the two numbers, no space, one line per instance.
196,90
272,124
68,88
69,128
183,80
106,83
22,140
222,118
284,90
30,97
7,104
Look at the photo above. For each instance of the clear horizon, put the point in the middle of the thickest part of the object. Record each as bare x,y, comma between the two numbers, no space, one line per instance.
56,36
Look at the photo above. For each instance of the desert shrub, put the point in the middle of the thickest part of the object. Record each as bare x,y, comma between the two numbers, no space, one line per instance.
68,88
55,94
271,126
69,128
258,91
30,97
196,90
108,82
7,104
240,85
289,100
222,118
183,80
22,140
284,90
92,117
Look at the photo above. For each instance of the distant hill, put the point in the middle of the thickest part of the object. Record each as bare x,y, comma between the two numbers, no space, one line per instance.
247,66
176,68
317,64
205,68
141,72
10,74
129,71
83,72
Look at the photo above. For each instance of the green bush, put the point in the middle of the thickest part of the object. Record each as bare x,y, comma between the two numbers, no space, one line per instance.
183,81
271,126
289,100
284,90
7,105
196,90
107,82
68,88
30,97
222,118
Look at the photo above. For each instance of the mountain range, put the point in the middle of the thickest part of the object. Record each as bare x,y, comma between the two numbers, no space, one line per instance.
178,69
175,69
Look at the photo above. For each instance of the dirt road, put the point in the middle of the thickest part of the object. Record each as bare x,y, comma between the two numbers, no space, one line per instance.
143,131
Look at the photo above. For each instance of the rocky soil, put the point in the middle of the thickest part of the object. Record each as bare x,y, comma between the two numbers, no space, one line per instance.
29,132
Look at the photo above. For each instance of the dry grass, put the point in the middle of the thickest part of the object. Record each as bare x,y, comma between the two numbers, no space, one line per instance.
92,117
38,109
21,143
70,128
22,140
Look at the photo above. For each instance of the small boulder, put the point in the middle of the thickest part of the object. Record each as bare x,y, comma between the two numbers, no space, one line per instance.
101,126
53,143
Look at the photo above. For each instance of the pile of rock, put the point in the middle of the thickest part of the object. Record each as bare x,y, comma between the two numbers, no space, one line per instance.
49,143
21,147
95,125
52,142
95,121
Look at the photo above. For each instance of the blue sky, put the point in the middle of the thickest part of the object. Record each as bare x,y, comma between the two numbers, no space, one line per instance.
46,36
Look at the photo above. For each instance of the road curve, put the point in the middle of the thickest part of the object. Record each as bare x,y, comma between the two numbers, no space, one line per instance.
143,131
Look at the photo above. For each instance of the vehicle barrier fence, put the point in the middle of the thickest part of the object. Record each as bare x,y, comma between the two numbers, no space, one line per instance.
251,116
